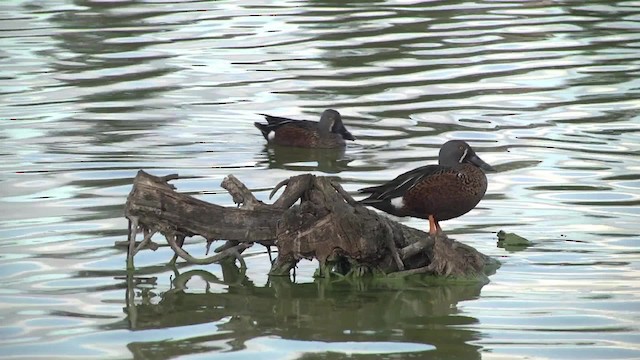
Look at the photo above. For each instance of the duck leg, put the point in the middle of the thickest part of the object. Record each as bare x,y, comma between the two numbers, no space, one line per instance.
433,226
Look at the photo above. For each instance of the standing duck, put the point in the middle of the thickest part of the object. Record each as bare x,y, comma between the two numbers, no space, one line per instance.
327,134
435,192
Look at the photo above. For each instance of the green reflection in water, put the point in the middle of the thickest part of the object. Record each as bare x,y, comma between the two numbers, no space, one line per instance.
316,319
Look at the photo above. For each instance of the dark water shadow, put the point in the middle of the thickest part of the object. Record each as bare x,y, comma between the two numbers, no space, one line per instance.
329,161
407,312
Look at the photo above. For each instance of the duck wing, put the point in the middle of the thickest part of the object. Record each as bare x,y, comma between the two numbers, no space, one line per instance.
400,185
275,122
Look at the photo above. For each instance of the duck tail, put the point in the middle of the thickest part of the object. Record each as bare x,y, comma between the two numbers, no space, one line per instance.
371,190
369,201
264,129
372,199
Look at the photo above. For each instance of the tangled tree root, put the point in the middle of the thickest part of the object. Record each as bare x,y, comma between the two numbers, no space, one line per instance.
328,225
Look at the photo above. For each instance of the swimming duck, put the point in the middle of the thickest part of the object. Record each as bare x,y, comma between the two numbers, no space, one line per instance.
326,134
435,192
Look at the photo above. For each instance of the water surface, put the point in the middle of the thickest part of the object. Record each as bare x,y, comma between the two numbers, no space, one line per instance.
93,91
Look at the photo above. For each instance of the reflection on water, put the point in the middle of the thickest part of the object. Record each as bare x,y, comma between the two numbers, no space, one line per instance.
92,91
306,160
337,315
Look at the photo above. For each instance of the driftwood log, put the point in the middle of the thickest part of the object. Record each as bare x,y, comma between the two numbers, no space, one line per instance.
327,224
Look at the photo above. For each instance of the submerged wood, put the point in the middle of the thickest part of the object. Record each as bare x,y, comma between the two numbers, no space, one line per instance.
326,225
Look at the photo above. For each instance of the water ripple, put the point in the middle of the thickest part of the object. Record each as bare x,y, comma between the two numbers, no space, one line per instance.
545,91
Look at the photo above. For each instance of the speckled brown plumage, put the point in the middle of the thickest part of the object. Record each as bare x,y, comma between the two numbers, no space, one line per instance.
298,136
447,194
435,192
326,134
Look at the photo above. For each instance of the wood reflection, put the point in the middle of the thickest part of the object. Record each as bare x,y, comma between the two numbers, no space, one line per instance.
406,311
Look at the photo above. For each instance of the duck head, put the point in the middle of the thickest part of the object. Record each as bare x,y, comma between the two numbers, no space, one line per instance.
332,121
455,152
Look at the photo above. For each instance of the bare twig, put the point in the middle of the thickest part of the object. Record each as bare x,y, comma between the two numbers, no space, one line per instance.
420,270
133,230
170,177
180,242
392,247
350,200
171,239
145,241
277,187
416,247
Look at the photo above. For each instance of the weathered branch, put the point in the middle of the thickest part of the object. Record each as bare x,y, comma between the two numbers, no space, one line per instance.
233,251
240,193
156,205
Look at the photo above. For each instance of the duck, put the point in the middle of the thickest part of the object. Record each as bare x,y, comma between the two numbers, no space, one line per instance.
437,193
328,133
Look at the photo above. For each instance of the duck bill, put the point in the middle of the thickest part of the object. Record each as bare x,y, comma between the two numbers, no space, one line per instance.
347,135
475,160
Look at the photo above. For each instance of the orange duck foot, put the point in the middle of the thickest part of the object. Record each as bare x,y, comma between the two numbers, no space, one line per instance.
434,227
